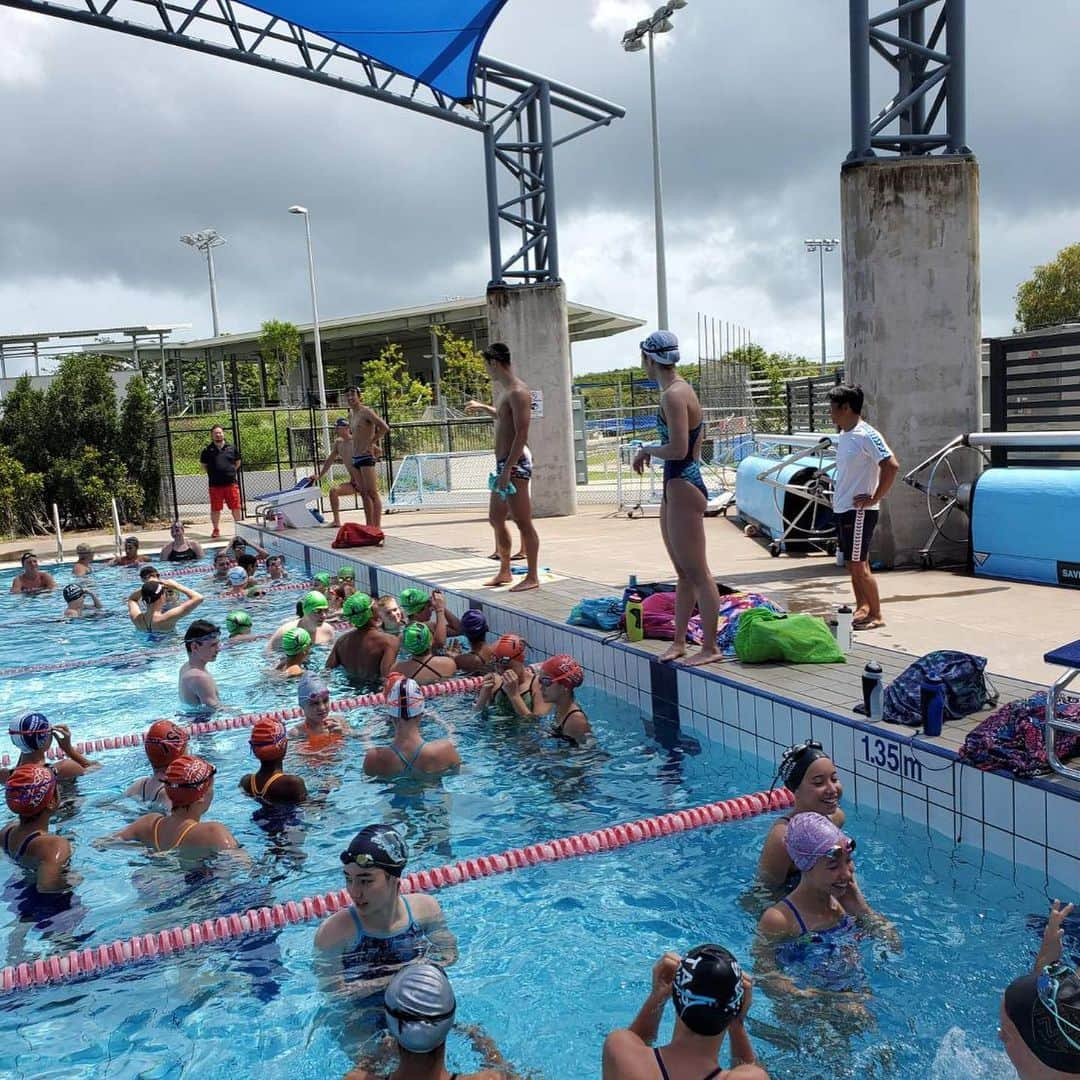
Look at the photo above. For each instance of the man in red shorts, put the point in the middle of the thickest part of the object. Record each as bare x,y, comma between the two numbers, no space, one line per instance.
221,462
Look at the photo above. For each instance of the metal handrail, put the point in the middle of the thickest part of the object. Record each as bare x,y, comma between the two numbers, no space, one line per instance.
1052,724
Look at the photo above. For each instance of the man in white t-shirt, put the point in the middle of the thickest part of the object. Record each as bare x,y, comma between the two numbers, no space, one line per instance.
865,470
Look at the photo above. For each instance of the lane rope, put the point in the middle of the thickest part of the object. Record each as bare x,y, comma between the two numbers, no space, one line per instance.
88,962
245,720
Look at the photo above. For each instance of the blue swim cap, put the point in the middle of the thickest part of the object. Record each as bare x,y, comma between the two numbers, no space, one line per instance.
31,732
662,347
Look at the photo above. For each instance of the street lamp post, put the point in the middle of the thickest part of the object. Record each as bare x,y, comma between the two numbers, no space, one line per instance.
206,240
821,246
302,210
634,40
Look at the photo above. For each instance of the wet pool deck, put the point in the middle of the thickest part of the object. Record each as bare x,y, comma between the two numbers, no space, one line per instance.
592,553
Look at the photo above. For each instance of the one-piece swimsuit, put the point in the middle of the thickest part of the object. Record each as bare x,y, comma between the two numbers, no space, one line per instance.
686,468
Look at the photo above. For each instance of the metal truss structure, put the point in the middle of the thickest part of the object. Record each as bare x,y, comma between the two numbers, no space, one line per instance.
523,117
930,76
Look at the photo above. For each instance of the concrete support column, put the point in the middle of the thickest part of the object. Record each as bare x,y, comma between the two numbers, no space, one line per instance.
912,319
531,321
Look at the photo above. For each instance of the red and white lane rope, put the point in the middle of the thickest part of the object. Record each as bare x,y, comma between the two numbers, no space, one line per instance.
246,720
88,962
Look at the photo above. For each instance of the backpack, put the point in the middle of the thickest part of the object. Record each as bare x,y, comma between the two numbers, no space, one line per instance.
602,613
799,639
658,616
966,689
352,534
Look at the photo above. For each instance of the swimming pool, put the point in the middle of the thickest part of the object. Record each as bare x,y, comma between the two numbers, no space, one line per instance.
551,956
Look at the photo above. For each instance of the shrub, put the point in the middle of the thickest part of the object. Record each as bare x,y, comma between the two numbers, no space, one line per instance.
22,497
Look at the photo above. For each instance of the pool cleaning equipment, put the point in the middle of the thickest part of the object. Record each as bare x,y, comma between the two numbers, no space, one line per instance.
289,509
88,962
785,490
1020,521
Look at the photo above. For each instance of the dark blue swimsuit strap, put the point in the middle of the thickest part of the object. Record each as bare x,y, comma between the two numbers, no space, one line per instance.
27,841
795,911
660,1064
362,933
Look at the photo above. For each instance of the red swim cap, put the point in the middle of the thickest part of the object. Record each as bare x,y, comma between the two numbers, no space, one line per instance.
29,788
509,647
269,739
187,780
563,669
164,741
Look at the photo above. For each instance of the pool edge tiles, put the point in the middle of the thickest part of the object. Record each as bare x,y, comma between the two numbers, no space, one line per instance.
1032,824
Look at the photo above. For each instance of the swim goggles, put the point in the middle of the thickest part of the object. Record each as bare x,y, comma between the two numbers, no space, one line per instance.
645,347
791,755
195,784
834,853
405,1016
205,637
322,698
1047,987
363,858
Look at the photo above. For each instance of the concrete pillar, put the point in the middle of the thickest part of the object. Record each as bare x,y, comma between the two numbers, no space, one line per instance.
912,318
531,321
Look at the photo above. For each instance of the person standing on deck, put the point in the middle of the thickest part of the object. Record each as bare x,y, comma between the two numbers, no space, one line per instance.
222,463
368,428
680,425
510,499
865,471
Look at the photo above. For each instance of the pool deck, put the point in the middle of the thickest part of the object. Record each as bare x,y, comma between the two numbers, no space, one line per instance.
592,553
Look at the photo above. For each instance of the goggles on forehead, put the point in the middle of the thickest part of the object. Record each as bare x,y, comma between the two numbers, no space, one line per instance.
647,348
205,637
320,698
365,860
834,853
195,784
790,756
1047,987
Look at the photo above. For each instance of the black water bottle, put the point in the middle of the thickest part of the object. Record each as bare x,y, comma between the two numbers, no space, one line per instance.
872,692
932,704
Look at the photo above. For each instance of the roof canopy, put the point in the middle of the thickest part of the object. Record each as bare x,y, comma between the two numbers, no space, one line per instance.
434,41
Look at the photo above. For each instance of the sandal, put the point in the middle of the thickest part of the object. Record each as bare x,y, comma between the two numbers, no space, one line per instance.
867,624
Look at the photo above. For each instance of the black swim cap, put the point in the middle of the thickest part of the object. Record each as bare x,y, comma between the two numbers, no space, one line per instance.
73,591
1047,1016
707,989
380,846
796,761
152,590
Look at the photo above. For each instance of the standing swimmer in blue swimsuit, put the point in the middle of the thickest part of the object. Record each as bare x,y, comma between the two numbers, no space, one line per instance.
381,930
409,754
682,511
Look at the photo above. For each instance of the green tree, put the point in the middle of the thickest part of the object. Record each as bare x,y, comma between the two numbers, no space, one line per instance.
81,404
464,374
22,497
387,379
138,437
281,346
24,427
1052,294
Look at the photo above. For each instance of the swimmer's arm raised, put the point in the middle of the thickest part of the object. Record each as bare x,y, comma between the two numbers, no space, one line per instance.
1050,949
63,740
194,599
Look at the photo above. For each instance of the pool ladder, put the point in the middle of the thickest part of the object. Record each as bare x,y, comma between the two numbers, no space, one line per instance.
1068,657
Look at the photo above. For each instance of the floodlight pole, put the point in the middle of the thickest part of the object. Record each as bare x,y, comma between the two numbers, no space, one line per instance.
658,202
302,211
821,246
213,290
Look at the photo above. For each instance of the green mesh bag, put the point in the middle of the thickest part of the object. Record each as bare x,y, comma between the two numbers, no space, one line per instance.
799,639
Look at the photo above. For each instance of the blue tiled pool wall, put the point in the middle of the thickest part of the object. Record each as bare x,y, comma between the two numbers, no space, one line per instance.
1034,825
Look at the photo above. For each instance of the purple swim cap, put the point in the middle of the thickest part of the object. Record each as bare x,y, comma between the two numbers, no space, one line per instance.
811,838
474,624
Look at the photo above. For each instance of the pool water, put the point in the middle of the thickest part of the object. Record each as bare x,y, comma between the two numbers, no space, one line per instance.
551,957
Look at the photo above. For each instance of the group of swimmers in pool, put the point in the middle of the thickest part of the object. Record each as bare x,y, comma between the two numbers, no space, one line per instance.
389,949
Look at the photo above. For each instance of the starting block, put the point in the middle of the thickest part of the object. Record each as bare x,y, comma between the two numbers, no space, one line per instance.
289,509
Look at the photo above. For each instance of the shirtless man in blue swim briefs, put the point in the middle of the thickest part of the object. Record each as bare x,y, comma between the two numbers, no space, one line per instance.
382,930
368,428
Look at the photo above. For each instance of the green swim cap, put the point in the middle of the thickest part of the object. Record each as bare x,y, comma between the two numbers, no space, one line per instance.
295,641
322,579
346,572
416,639
358,609
414,601
237,621
312,602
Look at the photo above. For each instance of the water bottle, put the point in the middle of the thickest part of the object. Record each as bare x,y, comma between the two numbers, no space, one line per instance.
873,693
932,704
633,581
844,616
635,618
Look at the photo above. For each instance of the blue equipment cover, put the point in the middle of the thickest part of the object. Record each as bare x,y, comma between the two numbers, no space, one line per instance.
1024,525
435,41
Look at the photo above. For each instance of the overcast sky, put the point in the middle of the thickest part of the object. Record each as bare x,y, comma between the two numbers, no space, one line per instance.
115,146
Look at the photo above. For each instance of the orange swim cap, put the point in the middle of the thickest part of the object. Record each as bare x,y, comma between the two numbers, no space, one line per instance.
509,647
187,779
269,739
563,669
29,788
164,741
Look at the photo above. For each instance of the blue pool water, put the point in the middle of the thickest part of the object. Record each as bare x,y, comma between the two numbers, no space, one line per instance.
550,957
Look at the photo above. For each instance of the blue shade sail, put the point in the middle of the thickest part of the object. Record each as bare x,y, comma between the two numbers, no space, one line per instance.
434,41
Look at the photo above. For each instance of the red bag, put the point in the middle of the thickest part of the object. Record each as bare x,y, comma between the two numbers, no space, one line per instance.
353,535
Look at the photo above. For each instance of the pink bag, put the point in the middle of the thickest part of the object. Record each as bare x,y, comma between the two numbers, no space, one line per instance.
658,616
